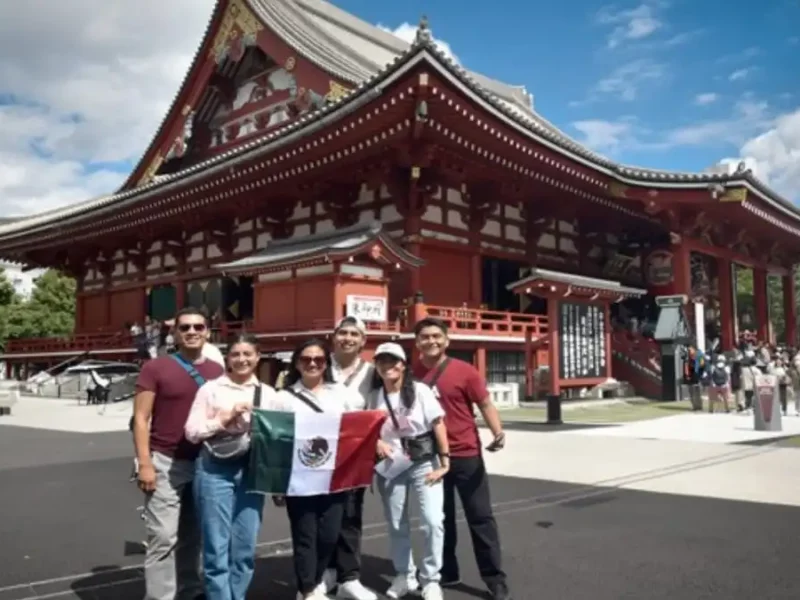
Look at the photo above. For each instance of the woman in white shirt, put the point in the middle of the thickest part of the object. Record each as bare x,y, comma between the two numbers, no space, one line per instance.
315,520
229,517
414,445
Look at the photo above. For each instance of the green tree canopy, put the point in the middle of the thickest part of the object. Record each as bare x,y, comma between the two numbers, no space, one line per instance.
50,311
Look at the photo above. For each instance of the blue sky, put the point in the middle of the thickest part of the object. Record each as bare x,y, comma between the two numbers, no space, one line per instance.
672,84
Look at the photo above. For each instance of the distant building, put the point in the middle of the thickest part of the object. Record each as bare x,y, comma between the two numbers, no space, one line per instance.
23,281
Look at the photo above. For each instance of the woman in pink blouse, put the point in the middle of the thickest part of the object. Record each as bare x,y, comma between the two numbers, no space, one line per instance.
229,517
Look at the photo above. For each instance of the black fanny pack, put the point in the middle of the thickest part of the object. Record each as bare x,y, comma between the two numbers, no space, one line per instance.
420,447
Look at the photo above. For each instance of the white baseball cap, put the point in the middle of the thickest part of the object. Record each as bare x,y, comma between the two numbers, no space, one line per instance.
352,322
391,349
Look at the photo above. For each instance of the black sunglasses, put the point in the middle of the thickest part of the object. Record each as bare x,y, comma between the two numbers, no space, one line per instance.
199,327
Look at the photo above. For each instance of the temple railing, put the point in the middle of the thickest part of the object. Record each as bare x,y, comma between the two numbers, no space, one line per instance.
470,321
80,342
460,321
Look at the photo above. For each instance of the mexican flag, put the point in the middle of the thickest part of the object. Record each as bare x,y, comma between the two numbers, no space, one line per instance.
312,453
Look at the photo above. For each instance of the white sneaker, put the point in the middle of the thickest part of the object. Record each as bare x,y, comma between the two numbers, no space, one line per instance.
402,585
355,590
317,594
328,581
432,591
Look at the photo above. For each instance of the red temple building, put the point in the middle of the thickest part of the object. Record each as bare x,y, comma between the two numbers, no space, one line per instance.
312,165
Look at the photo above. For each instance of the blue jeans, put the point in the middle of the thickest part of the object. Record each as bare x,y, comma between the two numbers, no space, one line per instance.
395,506
229,520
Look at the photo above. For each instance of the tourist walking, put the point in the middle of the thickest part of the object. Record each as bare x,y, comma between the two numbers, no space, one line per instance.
165,392
459,387
315,521
350,370
230,518
416,457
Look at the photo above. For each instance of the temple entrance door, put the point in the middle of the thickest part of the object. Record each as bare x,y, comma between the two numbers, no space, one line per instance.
496,276
237,299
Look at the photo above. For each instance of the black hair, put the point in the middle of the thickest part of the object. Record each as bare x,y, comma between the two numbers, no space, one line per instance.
407,392
191,310
243,337
430,322
293,374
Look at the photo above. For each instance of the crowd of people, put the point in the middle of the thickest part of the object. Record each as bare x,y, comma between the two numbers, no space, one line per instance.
191,436
730,377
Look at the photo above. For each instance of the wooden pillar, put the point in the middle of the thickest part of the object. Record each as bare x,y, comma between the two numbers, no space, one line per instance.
760,303
681,256
529,366
790,308
555,351
726,316
480,361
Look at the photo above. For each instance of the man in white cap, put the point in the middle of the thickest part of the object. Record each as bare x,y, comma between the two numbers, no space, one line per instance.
351,370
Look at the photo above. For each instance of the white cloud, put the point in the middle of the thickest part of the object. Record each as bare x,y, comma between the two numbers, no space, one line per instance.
706,98
632,24
739,74
605,136
775,154
407,32
624,82
89,92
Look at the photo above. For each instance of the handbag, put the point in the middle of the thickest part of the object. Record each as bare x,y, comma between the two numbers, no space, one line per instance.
231,446
418,448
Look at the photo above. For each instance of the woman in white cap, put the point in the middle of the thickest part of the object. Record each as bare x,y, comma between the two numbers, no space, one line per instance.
416,457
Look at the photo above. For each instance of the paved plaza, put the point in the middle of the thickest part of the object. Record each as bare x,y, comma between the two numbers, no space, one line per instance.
585,512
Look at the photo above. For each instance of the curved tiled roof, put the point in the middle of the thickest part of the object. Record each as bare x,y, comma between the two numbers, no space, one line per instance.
423,48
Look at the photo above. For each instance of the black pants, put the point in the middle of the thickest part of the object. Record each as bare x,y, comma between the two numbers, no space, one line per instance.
315,523
748,399
346,558
783,391
468,477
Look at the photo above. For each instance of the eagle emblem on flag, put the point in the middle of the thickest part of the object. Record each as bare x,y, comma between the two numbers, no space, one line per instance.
314,453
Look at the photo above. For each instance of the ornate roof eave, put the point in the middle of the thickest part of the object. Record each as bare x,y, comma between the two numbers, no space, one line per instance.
423,49
578,285
325,248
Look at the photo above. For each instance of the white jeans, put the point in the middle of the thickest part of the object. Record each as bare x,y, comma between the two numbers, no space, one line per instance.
395,495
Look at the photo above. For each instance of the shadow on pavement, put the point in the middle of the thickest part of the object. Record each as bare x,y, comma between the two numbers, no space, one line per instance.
274,579
541,427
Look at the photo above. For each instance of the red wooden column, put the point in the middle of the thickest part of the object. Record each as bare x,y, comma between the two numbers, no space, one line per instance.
726,316
529,366
790,308
555,351
760,303
606,308
682,283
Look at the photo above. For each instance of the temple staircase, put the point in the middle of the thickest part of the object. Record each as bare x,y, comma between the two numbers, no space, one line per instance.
636,359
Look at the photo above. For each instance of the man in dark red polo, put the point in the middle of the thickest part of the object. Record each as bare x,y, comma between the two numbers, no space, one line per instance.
459,386
165,392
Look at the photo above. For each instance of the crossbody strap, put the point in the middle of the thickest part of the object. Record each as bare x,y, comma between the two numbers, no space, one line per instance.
189,368
393,416
310,403
438,373
257,396
354,374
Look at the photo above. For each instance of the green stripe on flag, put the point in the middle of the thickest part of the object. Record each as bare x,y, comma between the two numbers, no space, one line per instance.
271,451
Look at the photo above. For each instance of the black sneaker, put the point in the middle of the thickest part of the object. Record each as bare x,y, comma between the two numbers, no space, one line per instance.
499,591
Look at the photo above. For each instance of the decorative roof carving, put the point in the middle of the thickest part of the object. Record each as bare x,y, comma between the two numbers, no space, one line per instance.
339,244
276,11
238,31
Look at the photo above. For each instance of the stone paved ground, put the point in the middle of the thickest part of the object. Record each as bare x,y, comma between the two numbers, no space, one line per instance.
69,528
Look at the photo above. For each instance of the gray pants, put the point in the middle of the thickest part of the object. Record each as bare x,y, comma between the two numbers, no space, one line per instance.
172,563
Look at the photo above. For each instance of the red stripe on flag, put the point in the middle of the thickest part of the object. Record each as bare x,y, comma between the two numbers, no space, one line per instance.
355,454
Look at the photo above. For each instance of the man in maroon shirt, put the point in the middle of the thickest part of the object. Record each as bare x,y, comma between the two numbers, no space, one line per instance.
459,387
165,392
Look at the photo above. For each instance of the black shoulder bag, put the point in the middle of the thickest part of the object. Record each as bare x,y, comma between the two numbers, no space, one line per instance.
231,446
418,448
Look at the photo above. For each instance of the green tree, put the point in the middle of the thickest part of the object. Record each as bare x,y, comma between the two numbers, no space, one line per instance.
52,304
50,312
